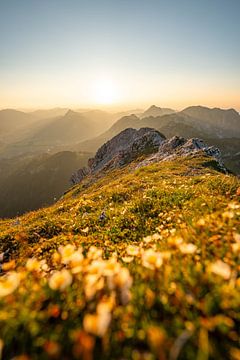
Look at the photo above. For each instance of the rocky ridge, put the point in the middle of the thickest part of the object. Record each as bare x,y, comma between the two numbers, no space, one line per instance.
178,146
123,148
130,144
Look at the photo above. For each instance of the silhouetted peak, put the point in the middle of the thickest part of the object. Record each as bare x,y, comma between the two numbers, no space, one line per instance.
70,113
155,111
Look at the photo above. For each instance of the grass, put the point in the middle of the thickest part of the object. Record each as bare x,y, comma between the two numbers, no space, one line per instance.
153,271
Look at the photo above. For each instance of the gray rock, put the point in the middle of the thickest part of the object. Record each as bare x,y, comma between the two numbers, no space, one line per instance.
123,148
130,144
179,147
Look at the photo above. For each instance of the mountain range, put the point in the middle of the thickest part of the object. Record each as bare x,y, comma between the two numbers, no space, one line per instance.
30,140
216,126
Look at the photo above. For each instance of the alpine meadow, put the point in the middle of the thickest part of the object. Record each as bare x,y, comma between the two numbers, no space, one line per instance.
119,180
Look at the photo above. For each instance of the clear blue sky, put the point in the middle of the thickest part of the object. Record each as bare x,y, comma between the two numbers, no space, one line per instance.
171,52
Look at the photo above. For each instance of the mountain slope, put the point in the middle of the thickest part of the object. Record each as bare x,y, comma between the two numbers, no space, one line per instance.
230,148
11,120
131,144
225,119
49,113
139,264
64,130
30,182
54,134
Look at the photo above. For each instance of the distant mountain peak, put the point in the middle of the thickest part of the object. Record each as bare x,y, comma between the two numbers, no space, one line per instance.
70,113
153,107
155,111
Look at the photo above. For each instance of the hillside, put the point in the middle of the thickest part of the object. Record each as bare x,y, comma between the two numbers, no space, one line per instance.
225,119
230,149
49,130
30,182
12,120
133,263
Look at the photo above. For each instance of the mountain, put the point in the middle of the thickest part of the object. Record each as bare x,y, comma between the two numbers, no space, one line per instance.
123,148
102,120
227,120
55,134
30,182
203,121
49,113
66,129
188,123
130,144
135,262
156,111
230,149
12,120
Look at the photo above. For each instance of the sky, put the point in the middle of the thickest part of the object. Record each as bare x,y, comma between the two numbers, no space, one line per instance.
119,53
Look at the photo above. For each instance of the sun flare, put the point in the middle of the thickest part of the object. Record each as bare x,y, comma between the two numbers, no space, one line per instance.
105,92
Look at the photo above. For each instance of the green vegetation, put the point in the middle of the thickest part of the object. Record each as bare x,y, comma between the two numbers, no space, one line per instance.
138,264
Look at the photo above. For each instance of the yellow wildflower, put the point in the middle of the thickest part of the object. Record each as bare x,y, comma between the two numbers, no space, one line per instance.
75,262
66,252
221,268
60,280
175,241
93,283
9,283
111,267
127,259
187,248
152,259
123,278
132,250
94,253
33,264
97,324
96,267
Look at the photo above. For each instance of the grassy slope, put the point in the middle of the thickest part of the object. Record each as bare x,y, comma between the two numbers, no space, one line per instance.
181,309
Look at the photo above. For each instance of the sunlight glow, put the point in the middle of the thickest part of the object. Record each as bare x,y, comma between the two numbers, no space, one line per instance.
105,92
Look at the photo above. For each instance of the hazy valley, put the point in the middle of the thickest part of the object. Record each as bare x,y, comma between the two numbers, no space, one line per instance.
45,147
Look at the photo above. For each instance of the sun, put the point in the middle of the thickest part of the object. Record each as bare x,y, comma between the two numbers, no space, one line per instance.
105,92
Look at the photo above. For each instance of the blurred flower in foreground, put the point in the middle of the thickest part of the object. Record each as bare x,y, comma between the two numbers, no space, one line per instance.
66,252
236,245
33,264
75,262
132,250
152,259
97,324
60,280
221,268
9,283
187,248
94,252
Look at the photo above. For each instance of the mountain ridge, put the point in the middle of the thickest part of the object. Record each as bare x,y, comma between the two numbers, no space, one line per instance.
130,144
126,264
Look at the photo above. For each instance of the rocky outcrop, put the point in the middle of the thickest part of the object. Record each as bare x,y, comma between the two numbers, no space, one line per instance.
123,148
130,144
179,147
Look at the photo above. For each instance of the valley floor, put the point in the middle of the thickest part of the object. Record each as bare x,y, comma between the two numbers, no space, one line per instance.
139,264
